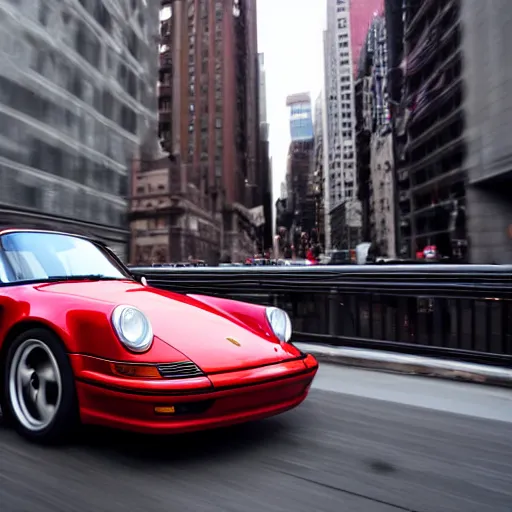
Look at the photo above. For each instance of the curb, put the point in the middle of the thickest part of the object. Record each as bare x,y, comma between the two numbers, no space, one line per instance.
410,364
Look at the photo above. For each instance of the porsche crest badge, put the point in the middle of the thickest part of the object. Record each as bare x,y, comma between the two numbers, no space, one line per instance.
235,342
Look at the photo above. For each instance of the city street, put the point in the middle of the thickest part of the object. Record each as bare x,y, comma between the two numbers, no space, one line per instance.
363,441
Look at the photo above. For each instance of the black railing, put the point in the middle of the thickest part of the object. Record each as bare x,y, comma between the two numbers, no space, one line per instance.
457,312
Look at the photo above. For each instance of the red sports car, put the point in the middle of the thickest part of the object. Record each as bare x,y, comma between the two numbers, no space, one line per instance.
81,340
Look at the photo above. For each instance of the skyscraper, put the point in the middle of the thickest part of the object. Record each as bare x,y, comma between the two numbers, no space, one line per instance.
431,145
77,100
318,175
343,40
361,13
300,202
262,77
264,174
209,127
374,147
488,117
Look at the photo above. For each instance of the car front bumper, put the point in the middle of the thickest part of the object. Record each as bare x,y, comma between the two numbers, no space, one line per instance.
190,404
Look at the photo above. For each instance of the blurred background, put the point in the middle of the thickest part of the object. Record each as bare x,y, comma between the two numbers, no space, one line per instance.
193,133
230,131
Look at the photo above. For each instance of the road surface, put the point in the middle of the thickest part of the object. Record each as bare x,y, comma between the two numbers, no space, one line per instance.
362,442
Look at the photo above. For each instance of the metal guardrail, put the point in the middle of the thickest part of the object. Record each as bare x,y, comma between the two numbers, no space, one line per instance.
457,312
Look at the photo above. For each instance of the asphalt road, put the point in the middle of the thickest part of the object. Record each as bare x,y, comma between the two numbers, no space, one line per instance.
363,441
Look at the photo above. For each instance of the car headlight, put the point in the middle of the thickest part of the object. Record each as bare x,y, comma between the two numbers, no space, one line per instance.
280,323
133,328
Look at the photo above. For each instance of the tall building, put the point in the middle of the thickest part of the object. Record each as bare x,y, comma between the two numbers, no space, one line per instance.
209,126
300,168
347,24
262,90
264,172
364,131
485,38
318,176
431,143
326,175
374,144
361,13
77,101
454,180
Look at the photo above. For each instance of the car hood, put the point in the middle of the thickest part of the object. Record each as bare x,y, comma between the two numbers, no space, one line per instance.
197,330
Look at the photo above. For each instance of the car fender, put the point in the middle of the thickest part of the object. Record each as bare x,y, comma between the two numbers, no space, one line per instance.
83,326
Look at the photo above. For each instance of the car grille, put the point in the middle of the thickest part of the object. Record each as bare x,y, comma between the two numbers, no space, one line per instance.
180,370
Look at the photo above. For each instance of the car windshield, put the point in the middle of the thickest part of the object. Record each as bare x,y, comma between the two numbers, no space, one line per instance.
32,256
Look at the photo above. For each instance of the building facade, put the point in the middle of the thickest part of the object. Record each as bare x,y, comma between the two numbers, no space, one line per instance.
431,144
343,40
210,129
319,176
486,74
361,14
300,201
362,97
264,174
262,91
77,101
448,87
374,143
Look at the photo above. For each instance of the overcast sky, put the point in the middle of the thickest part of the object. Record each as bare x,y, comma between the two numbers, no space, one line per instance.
290,34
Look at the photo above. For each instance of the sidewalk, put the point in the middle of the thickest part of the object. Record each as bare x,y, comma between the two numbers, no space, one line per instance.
409,364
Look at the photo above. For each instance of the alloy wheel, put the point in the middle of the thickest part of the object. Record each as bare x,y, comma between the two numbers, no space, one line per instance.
35,385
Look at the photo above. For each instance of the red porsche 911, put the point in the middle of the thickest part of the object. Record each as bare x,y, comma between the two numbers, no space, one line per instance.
82,341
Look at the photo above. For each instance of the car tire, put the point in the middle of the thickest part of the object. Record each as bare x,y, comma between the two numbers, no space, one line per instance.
39,390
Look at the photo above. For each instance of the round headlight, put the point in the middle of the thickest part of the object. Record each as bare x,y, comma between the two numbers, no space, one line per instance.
133,328
280,323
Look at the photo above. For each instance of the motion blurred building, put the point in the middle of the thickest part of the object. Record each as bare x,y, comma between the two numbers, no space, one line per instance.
264,170
364,129
429,127
77,101
284,221
209,126
347,25
449,106
361,14
318,175
485,37
447,103
374,143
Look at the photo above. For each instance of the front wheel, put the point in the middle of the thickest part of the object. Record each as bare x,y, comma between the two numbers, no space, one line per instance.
39,387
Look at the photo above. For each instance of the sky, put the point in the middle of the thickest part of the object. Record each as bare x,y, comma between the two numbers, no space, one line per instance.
290,34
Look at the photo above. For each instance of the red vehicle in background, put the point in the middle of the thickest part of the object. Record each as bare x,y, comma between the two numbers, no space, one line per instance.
311,258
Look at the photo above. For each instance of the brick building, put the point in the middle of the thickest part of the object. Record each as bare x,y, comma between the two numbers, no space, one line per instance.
198,194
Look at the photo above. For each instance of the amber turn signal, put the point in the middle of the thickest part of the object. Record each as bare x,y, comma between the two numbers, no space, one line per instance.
167,409
137,371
